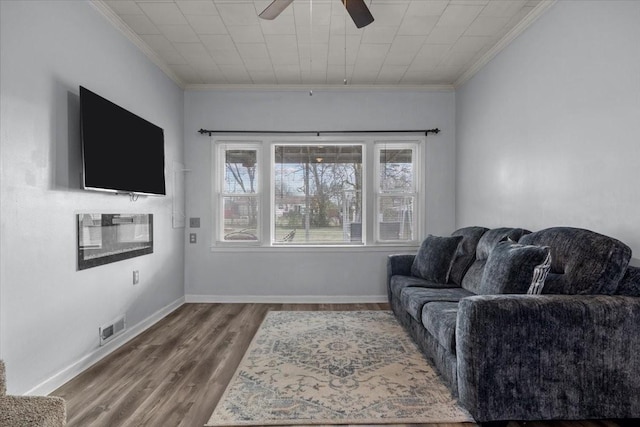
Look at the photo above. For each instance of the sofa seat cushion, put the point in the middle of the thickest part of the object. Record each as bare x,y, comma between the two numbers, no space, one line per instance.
439,318
398,283
413,299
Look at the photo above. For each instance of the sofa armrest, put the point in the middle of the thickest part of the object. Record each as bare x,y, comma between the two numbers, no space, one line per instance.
398,265
531,357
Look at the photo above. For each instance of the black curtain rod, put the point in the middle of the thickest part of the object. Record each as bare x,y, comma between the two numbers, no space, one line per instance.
426,132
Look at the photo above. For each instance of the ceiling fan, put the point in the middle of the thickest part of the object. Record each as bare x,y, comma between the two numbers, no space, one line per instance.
357,9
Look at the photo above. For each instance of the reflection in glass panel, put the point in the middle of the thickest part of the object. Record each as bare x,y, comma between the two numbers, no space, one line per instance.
240,218
318,194
240,175
396,170
396,218
136,231
106,238
90,228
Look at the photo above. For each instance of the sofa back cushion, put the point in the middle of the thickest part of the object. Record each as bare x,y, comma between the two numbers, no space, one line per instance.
630,283
582,261
466,252
472,279
509,268
434,258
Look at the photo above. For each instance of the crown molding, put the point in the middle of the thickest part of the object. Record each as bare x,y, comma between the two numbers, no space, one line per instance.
117,22
531,17
319,88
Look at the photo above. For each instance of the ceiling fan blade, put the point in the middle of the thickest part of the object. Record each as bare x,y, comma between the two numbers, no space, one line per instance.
359,12
274,9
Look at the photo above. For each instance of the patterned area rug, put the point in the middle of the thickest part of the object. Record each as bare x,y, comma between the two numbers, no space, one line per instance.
334,368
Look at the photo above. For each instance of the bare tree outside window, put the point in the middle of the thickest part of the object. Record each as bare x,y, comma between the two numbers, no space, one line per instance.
318,193
396,194
308,191
240,195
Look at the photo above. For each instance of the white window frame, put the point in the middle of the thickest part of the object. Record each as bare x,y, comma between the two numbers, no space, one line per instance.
265,147
313,143
414,193
218,170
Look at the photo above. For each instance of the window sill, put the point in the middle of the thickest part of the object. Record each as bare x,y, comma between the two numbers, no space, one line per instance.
413,247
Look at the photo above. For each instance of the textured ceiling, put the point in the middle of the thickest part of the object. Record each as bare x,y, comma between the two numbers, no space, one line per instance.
411,42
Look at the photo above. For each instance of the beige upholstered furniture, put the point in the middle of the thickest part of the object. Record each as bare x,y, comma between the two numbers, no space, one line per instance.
32,411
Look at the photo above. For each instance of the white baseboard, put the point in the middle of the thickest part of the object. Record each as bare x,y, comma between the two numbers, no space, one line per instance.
76,368
287,299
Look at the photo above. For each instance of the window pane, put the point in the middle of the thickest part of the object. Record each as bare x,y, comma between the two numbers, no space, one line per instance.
240,169
396,218
240,218
396,170
317,192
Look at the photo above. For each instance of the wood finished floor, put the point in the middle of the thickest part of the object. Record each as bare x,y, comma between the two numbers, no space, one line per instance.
174,373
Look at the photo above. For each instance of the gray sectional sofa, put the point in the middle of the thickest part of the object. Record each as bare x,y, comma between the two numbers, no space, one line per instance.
572,352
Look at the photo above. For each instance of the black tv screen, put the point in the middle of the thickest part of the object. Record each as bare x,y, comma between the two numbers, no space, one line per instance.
121,152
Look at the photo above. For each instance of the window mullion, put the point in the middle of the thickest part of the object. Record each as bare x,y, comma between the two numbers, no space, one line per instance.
267,195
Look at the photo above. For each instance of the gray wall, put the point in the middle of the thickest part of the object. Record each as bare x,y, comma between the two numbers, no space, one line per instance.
50,313
546,134
307,274
549,131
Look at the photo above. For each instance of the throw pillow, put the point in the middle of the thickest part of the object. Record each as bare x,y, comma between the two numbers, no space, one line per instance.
539,276
466,253
434,258
509,268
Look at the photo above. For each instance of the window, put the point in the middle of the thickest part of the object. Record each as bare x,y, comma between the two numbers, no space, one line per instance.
396,193
239,196
318,194
317,191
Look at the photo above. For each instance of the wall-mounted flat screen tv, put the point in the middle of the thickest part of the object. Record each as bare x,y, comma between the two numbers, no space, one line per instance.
121,152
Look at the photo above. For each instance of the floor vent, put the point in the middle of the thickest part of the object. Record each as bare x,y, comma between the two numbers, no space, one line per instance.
112,330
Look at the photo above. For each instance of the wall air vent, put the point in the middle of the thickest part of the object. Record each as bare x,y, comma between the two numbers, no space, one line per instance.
112,330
